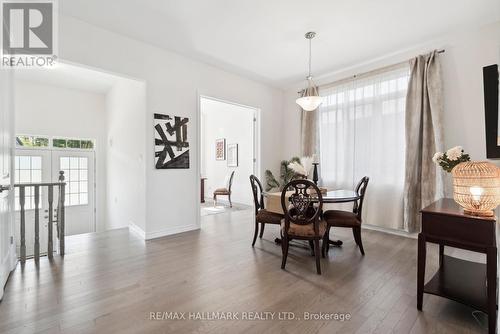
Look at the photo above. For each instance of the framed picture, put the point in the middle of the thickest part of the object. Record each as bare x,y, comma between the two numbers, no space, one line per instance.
232,155
171,143
220,149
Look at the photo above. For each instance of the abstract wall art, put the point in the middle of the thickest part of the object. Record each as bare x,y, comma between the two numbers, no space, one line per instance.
171,142
220,149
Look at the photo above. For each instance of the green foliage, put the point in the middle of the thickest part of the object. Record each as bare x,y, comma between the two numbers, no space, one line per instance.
59,143
448,164
286,175
32,141
73,143
87,144
271,182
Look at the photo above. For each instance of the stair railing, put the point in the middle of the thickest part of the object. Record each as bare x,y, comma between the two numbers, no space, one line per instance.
59,219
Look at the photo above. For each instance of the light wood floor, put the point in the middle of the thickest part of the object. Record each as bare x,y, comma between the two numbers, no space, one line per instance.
110,282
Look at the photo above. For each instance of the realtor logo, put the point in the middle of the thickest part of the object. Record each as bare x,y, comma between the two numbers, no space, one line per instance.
28,33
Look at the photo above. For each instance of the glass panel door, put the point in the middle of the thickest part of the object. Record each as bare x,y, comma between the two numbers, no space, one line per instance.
32,166
78,168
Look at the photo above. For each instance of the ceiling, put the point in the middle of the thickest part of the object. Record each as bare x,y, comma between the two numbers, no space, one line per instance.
264,39
70,76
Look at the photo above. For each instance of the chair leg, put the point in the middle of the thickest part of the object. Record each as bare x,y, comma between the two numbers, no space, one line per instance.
355,235
311,244
215,200
284,249
323,245
230,203
262,225
255,233
356,231
327,240
316,252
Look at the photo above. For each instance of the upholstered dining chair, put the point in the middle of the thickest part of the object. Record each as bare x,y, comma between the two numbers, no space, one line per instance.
339,218
226,191
262,216
302,207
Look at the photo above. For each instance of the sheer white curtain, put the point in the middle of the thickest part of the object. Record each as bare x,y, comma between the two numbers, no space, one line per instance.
362,133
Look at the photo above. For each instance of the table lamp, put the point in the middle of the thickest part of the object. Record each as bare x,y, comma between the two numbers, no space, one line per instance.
476,187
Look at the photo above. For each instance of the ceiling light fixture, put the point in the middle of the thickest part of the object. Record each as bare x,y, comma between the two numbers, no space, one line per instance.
310,99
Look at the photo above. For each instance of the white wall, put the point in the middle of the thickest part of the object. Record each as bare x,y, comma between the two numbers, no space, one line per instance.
235,124
43,109
464,121
173,85
125,152
463,61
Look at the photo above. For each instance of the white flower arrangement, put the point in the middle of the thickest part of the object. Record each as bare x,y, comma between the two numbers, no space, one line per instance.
450,158
303,168
297,168
454,153
437,156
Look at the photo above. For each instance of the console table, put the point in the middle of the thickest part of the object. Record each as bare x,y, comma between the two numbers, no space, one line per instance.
470,283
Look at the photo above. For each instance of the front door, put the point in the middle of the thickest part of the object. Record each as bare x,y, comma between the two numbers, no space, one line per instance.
78,168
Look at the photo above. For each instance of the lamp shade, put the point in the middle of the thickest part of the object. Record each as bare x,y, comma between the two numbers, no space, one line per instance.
310,100
309,103
476,187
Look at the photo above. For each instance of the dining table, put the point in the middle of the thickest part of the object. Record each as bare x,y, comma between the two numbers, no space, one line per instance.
273,203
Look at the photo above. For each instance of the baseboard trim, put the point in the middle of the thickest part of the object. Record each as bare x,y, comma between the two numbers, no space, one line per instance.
225,202
390,231
170,231
137,230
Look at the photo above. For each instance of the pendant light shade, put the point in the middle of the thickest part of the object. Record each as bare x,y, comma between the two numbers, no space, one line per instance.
310,99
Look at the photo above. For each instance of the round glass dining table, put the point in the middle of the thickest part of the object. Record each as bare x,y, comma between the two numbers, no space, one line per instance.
340,196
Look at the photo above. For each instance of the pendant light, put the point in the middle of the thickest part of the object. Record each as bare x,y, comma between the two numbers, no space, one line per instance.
310,99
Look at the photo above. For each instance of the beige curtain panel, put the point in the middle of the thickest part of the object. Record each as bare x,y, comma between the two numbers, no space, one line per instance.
424,137
309,134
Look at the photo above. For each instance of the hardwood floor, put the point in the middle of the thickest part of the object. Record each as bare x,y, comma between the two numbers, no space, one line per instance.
110,282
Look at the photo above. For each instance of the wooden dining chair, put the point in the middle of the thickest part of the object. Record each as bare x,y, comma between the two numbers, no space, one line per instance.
226,191
339,218
262,216
302,220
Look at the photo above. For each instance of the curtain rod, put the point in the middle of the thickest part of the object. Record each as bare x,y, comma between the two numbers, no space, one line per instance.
357,75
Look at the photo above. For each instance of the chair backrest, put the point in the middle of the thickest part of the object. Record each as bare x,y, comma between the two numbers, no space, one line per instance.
230,181
304,205
361,190
256,190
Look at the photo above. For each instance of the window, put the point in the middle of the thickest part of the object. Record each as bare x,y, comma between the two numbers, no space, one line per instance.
73,143
28,169
31,141
362,133
76,178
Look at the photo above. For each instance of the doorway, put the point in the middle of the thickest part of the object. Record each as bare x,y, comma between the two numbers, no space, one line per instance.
62,107
45,165
228,144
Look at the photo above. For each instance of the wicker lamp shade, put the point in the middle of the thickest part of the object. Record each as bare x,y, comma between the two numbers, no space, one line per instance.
476,187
